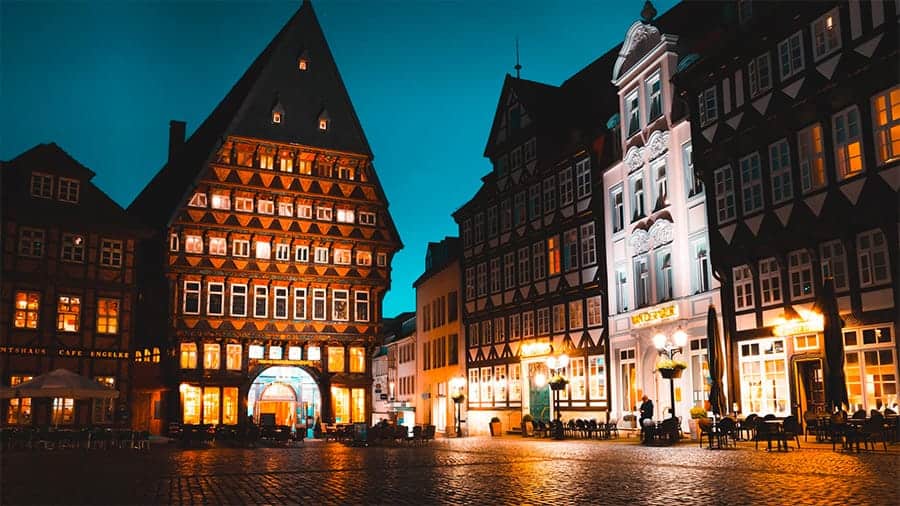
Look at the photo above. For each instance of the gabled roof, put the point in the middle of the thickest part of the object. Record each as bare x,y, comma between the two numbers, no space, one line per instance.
94,210
273,79
538,99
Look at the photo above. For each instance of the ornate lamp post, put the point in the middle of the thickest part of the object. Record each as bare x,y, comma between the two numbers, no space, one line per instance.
670,369
457,384
556,365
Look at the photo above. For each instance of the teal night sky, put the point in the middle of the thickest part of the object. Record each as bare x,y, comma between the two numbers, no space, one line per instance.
103,79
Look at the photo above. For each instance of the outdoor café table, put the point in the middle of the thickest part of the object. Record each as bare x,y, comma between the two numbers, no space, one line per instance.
853,426
777,428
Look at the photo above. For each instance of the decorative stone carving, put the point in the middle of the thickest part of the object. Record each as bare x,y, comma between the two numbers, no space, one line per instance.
661,232
639,40
658,144
634,159
640,241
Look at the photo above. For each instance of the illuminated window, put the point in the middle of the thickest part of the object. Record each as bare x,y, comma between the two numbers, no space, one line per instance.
263,250
190,404
233,357
342,256
357,359
295,353
41,185
68,191
211,354
577,383
340,305
266,161
221,201
285,209
198,200
275,352
826,34
345,215
336,359
553,255
173,242
344,173
764,380
847,142
812,159
68,313
594,311
217,246
193,244
596,377
358,405
314,353
323,213
302,64
188,356
340,404
286,162
304,167
364,258
215,299
256,351
886,116
381,259
323,124
628,379
743,287
243,204
19,410
265,206
230,405
63,411
103,409
276,117
211,405
31,242
110,253
72,248
321,256
27,310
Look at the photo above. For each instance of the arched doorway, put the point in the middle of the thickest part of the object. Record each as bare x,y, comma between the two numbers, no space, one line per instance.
284,396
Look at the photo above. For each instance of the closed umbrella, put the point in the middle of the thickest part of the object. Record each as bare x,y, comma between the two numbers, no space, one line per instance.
717,400
60,383
835,381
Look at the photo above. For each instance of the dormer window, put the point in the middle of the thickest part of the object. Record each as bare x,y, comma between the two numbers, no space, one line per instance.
323,124
276,117
68,190
302,64
198,200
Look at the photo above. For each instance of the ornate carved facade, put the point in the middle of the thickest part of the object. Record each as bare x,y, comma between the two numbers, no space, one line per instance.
275,241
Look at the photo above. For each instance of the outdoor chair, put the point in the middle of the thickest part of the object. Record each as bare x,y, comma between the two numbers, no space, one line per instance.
872,431
416,436
811,421
428,433
727,429
763,432
706,426
612,427
860,414
791,430
748,426
838,430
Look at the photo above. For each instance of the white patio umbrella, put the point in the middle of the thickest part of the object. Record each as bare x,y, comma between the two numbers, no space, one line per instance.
60,383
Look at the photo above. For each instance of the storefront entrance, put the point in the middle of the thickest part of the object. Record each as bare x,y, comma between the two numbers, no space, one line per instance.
810,385
538,391
285,396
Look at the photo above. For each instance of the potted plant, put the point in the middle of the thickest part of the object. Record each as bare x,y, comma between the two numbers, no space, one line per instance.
558,382
697,412
669,368
527,425
496,428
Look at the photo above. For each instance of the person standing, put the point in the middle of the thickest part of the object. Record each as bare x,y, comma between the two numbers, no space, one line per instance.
646,414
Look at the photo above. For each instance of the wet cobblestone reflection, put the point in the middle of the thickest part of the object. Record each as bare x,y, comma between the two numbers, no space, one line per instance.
467,471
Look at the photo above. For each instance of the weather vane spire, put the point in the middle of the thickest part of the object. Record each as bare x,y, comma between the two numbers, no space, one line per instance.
517,67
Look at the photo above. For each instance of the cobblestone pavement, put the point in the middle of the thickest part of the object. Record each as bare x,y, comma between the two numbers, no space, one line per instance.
456,471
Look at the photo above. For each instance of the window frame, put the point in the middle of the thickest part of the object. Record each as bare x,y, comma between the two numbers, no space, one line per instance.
788,54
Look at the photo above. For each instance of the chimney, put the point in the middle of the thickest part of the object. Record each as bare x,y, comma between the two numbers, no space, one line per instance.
176,137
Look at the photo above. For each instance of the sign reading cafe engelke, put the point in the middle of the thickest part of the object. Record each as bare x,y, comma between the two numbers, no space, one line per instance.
64,352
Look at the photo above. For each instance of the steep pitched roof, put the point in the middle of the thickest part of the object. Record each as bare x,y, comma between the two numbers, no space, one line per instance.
272,80
538,99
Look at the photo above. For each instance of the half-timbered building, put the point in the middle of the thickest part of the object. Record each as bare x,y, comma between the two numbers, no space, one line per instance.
273,236
795,117
68,292
533,276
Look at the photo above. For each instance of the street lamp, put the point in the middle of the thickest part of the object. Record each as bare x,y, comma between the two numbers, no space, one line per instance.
457,384
556,365
670,368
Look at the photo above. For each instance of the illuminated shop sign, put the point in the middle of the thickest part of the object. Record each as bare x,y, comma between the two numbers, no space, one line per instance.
310,363
534,349
64,352
654,315
809,323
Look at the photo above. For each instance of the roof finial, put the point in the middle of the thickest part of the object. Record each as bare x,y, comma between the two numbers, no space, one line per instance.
648,12
517,67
